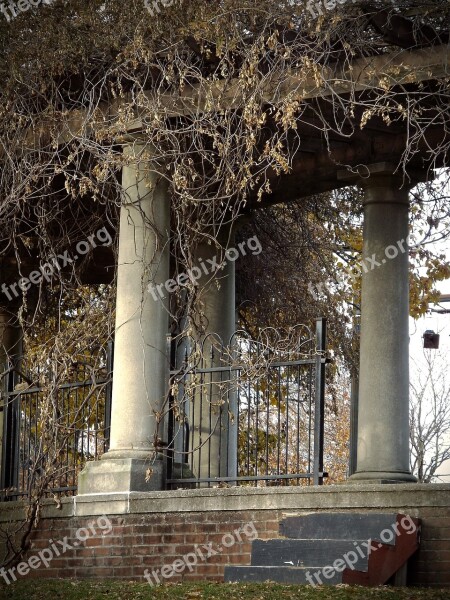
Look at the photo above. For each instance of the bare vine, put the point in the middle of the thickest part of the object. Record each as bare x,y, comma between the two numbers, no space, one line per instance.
220,94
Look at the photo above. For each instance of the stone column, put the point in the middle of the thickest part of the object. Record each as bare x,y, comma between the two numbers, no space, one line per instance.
218,455
140,377
383,412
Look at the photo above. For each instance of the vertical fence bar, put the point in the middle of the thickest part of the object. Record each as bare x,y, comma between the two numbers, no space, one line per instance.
10,454
5,432
297,445
287,428
233,423
353,422
319,408
108,393
192,416
169,456
310,413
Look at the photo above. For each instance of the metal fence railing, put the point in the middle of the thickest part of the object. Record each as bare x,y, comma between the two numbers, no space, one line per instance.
49,429
249,412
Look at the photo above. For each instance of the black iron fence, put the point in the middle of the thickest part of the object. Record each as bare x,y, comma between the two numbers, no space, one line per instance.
51,429
248,412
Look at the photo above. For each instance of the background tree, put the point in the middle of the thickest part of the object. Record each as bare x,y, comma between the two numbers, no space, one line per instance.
429,416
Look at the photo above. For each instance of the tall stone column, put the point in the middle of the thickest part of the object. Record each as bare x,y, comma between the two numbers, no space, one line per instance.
383,412
213,427
141,365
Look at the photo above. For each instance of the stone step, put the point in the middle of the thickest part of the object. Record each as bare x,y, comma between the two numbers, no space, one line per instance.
285,575
338,526
332,548
308,553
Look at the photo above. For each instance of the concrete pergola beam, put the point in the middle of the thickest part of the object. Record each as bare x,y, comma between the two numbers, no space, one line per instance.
386,71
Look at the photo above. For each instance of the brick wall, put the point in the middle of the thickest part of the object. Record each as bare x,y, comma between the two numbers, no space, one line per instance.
431,565
151,539
139,542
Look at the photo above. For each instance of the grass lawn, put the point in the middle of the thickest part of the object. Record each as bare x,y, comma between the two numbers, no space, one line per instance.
104,590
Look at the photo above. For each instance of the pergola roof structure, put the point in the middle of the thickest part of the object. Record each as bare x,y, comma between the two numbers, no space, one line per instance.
410,61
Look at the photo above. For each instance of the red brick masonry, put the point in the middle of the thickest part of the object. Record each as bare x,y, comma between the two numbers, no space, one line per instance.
139,542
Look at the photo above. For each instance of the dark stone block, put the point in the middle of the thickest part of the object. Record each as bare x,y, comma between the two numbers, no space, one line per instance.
338,526
287,575
306,553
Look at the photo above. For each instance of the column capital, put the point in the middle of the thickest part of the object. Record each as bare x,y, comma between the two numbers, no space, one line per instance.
384,174
141,155
131,142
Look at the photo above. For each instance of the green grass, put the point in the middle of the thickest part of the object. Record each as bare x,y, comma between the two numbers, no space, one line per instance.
104,590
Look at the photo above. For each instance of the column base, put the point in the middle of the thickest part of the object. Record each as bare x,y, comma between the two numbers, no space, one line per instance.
117,475
380,477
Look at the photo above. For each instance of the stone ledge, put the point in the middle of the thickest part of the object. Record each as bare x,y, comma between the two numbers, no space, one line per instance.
332,497
395,496
15,511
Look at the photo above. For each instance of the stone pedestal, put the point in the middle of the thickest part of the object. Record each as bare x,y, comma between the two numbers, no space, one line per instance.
121,475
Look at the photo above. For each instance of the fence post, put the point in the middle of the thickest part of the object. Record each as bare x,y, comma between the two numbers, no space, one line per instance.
10,451
108,395
319,405
4,404
169,452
